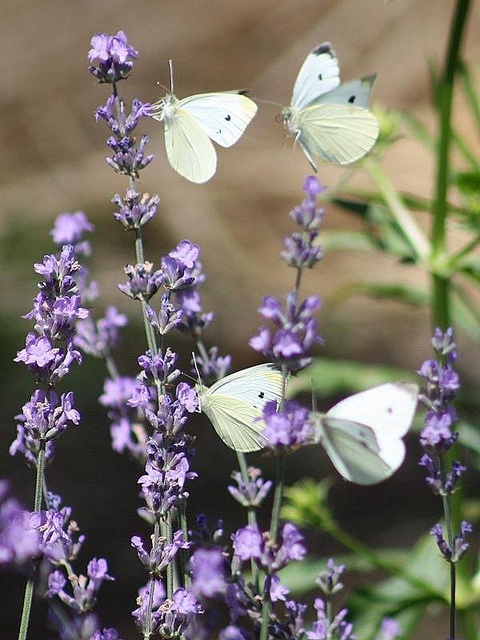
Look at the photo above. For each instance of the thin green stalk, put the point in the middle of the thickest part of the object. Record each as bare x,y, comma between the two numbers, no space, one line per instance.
440,281
277,503
37,504
278,496
183,574
147,634
440,285
251,514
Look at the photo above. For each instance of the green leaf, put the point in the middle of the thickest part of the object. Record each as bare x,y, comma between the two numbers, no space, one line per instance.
399,292
395,597
328,377
333,240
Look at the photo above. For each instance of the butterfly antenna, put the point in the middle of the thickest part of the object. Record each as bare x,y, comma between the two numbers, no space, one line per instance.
194,360
170,69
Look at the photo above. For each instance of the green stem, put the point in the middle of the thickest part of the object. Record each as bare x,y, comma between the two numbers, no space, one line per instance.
37,503
441,312
278,496
251,515
277,503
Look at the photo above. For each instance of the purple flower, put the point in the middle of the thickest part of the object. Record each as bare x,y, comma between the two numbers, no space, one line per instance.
106,634
247,543
112,55
296,331
324,628
231,633
70,228
250,493
208,567
300,250
329,579
159,607
19,535
287,428
166,472
276,590
44,418
158,367
437,436
176,615
389,630
99,338
213,367
128,158
455,552
161,556
143,282
134,209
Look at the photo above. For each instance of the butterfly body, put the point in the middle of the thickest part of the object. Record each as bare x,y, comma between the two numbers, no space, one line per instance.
362,433
190,125
329,120
235,403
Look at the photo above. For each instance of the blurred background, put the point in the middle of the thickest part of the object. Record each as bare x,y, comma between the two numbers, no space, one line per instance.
52,153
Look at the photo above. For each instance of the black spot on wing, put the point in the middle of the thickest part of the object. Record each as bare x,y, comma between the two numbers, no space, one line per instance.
261,395
228,117
352,99
326,47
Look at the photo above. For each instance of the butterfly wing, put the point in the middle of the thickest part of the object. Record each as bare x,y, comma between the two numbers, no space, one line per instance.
223,116
318,75
354,92
189,149
387,410
336,133
234,403
353,449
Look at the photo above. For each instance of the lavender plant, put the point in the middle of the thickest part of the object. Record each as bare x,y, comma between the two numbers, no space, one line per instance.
210,586
197,585
45,542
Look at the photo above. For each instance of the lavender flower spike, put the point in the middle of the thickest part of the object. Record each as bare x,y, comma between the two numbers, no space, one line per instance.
113,56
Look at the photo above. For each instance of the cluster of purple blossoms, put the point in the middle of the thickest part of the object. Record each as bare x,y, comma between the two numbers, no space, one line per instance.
49,353
296,327
113,57
251,491
287,428
19,537
326,626
437,436
50,537
250,544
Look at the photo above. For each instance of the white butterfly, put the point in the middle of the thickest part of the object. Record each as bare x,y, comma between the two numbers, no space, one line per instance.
234,403
191,123
362,433
328,120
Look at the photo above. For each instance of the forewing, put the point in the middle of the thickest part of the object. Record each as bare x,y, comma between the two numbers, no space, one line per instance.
318,74
355,452
356,92
189,149
335,133
388,409
236,422
223,116
234,404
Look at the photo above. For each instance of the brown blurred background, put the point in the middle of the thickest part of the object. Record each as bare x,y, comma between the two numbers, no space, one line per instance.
52,154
